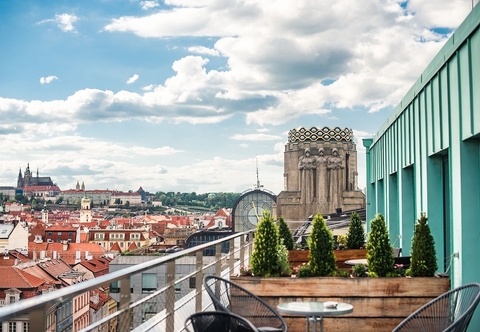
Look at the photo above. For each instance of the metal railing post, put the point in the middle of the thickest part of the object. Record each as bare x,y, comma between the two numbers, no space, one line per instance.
170,297
218,260
37,320
124,319
199,281
231,257
242,250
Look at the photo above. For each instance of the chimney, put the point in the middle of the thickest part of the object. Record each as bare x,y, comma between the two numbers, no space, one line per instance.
55,254
42,254
34,255
64,245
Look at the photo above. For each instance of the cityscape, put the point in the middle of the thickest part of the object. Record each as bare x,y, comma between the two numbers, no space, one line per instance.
145,144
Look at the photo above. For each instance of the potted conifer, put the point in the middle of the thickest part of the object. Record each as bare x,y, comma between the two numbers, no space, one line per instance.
285,233
321,258
264,260
380,259
423,261
356,232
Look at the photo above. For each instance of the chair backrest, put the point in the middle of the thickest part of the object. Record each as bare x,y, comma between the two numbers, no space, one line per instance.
229,296
451,311
218,321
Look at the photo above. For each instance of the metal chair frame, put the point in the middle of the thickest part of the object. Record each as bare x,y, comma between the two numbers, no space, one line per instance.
228,296
218,321
450,312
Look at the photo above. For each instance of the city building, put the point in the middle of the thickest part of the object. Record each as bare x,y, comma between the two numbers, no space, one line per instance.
426,157
320,173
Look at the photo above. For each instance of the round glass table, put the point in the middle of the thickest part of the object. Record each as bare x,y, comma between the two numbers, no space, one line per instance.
314,311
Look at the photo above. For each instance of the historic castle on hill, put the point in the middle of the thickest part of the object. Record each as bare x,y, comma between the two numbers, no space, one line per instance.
28,180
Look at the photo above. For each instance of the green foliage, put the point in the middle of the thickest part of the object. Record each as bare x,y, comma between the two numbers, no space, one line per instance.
423,261
359,270
285,233
320,242
340,273
342,241
282,259
304,271
379,250
356,232
264,260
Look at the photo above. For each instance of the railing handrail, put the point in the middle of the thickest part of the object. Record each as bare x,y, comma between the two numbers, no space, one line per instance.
24,306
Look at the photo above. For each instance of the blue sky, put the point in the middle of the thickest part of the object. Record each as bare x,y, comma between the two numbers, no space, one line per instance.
186,95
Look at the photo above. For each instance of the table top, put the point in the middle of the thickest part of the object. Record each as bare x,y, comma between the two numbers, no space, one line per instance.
313,308
354,262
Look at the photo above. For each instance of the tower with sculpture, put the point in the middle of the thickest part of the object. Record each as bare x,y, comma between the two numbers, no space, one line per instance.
320,173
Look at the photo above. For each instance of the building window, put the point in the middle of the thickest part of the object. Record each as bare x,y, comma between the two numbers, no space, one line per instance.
149,310
12,326
59,233
49,233
149,282
26,327
12,299
115,287
69,233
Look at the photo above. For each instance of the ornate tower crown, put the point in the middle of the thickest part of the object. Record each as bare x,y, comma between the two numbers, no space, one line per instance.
325,134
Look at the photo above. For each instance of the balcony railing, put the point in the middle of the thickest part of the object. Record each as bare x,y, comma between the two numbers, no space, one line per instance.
162,309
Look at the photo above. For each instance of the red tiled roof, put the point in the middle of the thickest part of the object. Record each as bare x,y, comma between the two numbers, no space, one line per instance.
116,247
132,246
13,277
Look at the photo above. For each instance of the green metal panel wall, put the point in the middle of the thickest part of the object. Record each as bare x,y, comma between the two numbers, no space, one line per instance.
439,116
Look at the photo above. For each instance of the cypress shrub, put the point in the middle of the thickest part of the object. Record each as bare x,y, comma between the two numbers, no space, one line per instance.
285,233
264,260
320,242
380,259
423,262
356,232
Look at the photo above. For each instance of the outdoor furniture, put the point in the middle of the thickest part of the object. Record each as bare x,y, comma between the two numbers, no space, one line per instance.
218,321
228,296
315,311
451,311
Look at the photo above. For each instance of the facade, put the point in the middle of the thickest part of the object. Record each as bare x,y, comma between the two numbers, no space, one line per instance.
13,237
97,197
133,198
320,173
144,284
426,157
124,237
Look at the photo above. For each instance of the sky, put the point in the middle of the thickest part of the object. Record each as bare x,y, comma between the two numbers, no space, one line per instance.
196,95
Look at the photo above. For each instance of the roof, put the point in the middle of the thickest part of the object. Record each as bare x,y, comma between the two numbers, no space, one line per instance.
13,277
6,230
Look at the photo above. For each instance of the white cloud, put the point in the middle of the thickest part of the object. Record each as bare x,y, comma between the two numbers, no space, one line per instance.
64,22
203,50
48,79
146,5
255,137
132,79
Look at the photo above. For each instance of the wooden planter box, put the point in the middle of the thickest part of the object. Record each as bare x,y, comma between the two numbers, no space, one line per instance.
298,257
379,304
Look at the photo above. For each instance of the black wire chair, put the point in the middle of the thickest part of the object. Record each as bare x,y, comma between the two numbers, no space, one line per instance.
451,311
218,321
228,296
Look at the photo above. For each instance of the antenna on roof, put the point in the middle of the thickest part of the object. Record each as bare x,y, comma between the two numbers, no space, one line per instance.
258,186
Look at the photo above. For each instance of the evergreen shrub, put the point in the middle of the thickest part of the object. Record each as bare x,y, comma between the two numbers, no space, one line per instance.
423,261
380,259
356,233
320,242
264,260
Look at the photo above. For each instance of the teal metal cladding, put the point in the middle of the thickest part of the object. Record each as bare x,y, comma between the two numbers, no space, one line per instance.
426,158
